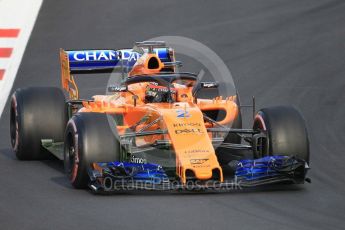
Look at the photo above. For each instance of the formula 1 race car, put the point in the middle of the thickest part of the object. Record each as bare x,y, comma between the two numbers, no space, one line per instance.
152,130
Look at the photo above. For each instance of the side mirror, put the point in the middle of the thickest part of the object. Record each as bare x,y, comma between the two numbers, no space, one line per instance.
117,88
204,85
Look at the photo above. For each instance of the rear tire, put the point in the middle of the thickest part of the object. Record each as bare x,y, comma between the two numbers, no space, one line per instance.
36,113
286,130
88,139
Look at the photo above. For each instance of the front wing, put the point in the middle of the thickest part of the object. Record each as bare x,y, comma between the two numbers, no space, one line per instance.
125,176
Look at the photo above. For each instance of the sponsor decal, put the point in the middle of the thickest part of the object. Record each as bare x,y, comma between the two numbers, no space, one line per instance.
209,85
153,83
117,88
138,160
163,89
187,124
94,55
201,165
198,161
187,131
197,151
130,56
183,113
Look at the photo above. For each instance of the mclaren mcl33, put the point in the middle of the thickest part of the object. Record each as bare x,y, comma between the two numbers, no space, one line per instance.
153,130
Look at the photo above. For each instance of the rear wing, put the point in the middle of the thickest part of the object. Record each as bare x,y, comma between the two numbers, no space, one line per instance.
102,61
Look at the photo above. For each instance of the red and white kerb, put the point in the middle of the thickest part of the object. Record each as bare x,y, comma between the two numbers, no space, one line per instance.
7,42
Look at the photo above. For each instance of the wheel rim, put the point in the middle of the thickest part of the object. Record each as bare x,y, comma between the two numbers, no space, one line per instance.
259,123
14,126
71,158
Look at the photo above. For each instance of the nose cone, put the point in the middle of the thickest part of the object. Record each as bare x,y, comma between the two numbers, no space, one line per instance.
205,174
193,147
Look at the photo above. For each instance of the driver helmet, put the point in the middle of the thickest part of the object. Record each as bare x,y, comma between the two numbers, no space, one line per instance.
158,94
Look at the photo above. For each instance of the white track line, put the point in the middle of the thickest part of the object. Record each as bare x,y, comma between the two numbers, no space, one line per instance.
15,14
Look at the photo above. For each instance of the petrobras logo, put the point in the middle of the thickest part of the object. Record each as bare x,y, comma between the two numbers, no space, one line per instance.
93,55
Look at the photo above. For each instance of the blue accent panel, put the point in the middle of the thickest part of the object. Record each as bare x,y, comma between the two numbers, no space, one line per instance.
182,113
108,59
92,59
140,172
265,167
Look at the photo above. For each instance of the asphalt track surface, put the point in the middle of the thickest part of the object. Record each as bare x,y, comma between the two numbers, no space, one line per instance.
282,52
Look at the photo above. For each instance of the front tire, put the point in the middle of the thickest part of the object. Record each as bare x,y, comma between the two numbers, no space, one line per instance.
89,138
286,131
